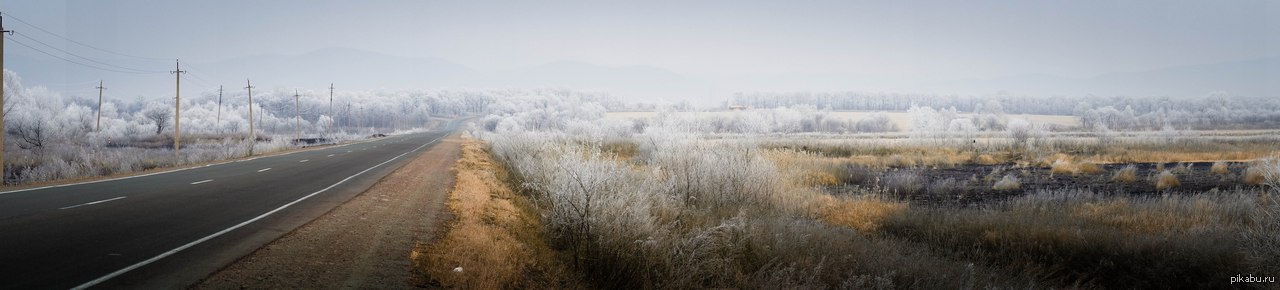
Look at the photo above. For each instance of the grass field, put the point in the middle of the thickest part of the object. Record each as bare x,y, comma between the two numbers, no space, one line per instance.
902,119
673,207
830,211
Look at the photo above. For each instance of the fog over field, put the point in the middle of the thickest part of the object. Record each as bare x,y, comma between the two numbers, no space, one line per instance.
713,144
701,51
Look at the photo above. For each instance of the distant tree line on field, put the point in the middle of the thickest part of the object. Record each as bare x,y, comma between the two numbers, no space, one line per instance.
1214,111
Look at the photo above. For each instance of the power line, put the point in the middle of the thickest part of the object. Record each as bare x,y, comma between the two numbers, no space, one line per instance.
77,42
196,77
85,58
67,84
75,62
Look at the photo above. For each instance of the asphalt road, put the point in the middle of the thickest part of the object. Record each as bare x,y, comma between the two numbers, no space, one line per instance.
169,230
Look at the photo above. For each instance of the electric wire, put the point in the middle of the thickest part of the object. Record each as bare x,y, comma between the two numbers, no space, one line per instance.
75,62
85,58
37,27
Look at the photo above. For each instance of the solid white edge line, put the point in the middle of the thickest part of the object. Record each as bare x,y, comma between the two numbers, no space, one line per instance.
95,202
202,181
219,233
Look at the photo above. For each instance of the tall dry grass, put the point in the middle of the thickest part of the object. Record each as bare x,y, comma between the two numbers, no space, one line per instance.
1128,174
695,214
1166,180
1095,240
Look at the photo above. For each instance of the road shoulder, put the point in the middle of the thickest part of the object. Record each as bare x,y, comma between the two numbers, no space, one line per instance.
362,243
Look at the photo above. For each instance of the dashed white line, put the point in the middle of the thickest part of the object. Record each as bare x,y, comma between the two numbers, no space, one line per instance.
305,160
202,181
89,203
264,169
242,224
330,155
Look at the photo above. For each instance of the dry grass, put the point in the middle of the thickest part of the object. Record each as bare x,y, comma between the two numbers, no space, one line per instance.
863,213
1219,167
1166,180
622,149
1254,175
1009,182
496,240
1095,241
986,159
1063,166
1128,174
1089,168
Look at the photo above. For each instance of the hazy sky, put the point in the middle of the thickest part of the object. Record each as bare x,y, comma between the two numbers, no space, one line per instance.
707,39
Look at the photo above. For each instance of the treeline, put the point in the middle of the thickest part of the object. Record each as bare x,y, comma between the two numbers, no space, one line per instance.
1214,111
51,136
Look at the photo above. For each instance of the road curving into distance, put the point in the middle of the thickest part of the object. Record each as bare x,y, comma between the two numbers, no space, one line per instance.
171,229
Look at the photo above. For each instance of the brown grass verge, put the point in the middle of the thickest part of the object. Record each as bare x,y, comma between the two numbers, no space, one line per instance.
496,240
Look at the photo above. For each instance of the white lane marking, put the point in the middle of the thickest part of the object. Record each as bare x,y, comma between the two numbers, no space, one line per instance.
89,203
170,171
348,151
330,155
242,224
202,181
305,160
265,169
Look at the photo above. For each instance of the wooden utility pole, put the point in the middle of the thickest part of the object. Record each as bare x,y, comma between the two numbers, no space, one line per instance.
98,126
297,117
218,123
3,174
253,136
177,111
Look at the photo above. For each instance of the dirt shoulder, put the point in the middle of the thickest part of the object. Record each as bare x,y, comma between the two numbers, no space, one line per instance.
495,241
364,243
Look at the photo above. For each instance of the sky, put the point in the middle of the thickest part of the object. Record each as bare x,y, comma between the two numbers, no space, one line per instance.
725,42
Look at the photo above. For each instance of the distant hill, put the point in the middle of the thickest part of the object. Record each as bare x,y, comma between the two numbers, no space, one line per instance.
354,69
358,69
349,68
1260,77
626,81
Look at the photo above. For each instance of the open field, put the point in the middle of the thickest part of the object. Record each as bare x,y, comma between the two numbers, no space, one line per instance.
650,210
766,199
902,119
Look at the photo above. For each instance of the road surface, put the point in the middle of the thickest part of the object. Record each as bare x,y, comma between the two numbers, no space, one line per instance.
171,229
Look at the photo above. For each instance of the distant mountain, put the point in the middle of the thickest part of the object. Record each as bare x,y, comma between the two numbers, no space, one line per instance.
349,68
626,81
358,69
352,68
1260,77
